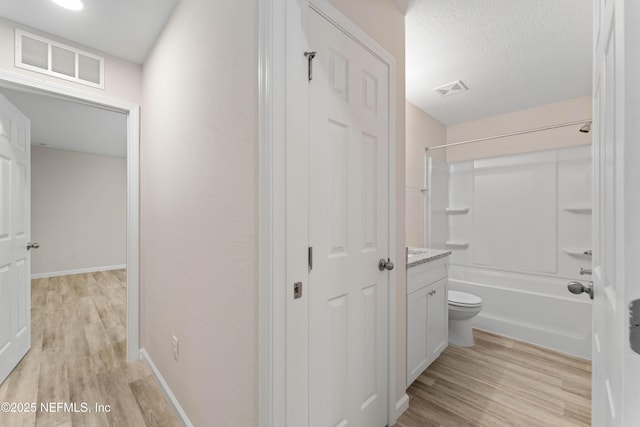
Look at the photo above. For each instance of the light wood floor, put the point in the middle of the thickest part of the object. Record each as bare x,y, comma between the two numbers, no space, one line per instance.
78,355
78,345
501,382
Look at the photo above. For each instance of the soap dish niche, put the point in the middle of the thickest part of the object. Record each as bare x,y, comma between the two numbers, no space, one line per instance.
457,245
578,209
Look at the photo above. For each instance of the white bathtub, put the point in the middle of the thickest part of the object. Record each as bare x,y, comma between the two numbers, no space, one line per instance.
532,308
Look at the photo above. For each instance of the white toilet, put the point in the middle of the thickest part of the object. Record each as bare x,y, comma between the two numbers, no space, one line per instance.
462,308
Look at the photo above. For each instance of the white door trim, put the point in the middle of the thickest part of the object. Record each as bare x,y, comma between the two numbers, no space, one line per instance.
282,41
13,80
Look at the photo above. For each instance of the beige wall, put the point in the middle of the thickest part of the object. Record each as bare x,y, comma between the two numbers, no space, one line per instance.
422,131
384,22
122,79
199,209
78,210
559,112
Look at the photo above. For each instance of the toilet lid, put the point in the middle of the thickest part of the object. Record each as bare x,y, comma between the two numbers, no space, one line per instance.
463,299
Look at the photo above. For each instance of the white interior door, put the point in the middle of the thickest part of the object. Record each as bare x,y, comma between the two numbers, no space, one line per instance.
348,230
15,225
616,213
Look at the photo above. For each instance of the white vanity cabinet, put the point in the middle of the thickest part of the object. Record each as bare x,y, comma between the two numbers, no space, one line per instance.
427,315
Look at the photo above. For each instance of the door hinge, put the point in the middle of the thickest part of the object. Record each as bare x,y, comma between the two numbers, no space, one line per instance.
634,325
310,258
310,56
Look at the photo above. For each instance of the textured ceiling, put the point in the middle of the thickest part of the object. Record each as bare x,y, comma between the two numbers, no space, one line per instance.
71,126
512,54
123,28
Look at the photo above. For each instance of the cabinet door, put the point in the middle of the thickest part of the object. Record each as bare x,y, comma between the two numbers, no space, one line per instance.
438,319
417,351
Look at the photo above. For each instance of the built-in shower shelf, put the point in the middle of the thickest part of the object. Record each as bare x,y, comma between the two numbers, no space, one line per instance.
457,244
579,209
579,252
457,211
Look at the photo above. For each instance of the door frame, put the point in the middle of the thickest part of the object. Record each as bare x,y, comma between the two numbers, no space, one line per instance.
18,81
617,16
283,208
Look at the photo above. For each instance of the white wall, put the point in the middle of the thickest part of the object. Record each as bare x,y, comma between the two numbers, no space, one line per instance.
384,22
78,211
422,131
123,80
437,218
199,215
526,241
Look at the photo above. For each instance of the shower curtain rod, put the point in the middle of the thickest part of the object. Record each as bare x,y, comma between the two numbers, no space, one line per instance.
522,132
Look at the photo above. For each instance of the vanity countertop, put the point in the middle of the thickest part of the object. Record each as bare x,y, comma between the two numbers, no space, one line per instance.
417,256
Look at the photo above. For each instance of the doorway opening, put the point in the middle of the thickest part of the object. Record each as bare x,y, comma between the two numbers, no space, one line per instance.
19,83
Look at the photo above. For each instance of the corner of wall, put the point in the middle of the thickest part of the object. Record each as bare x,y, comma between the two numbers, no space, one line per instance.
199,195
422,131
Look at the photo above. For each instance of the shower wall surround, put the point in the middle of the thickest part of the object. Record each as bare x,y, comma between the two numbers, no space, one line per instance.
520,228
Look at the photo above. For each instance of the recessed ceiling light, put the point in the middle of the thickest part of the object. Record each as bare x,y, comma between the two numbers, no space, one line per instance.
69,4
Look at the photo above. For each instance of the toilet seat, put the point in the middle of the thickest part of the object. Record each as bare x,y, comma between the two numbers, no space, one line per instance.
463,299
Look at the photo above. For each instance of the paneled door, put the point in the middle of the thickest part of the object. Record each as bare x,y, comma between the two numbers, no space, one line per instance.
15,226
348,230
616,214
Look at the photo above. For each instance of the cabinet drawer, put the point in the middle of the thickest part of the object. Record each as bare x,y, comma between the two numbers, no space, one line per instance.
425,274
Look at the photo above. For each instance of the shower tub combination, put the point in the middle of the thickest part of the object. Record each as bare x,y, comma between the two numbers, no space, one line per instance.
519,228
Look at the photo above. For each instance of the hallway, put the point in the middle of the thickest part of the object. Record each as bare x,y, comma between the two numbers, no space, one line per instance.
77,357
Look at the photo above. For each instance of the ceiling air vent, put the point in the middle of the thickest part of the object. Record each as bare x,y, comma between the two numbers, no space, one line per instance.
45,56
451,88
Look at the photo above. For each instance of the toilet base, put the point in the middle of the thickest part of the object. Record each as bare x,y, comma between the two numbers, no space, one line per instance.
461,333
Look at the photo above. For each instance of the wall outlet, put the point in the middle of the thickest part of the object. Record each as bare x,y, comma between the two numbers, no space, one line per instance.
174,345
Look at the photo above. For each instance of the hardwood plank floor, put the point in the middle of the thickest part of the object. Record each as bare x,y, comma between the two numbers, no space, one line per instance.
78,355
78,350
501,382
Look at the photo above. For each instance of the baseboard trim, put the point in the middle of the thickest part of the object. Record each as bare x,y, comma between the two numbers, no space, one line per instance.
573,345
402,405
182,416
78,271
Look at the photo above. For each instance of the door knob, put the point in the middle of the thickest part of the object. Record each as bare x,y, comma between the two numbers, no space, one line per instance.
385,265
32,246
578,288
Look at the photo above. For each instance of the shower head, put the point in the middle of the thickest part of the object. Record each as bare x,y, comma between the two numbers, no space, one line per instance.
586,128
